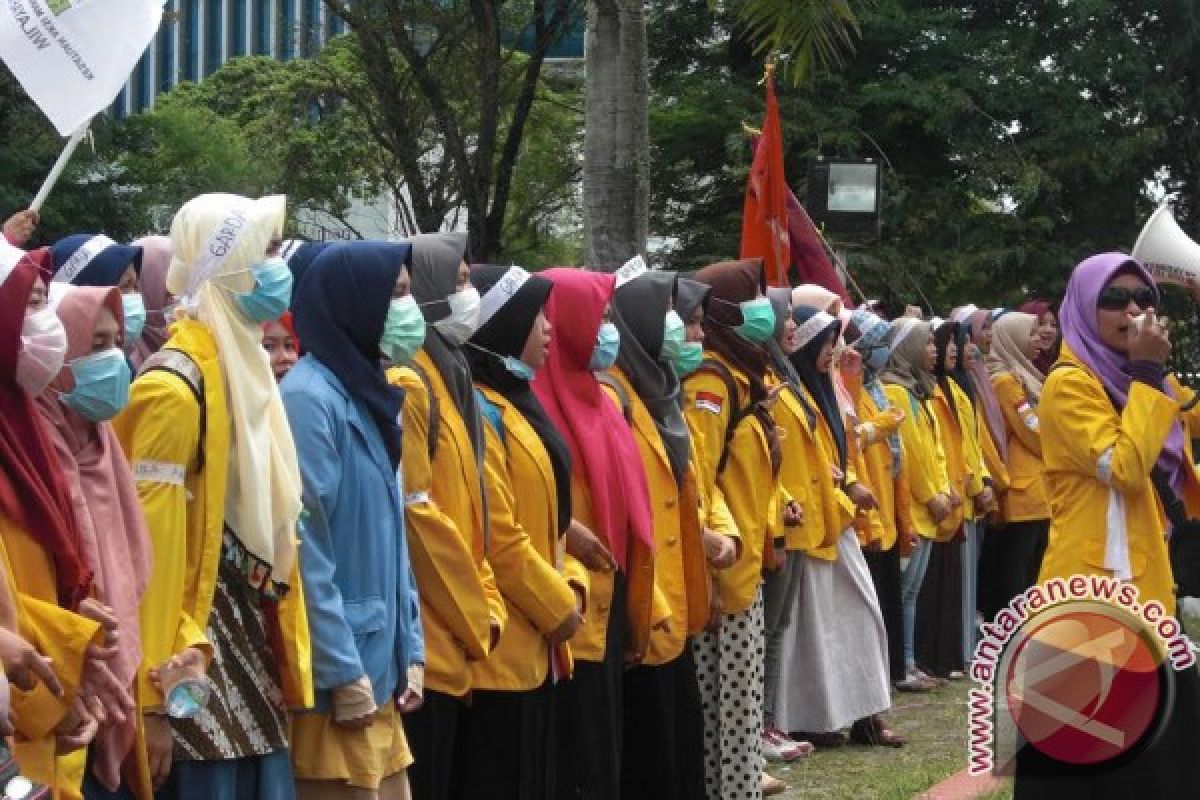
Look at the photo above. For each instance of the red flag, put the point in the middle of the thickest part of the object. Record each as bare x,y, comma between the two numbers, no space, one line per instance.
809,257
765,214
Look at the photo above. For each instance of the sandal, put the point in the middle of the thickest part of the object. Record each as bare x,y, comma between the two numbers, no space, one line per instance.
821,741
873,732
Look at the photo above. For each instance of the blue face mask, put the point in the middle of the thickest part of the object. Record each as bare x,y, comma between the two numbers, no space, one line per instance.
135,316
101,385
674,336
608,344
515,366
403,330
878,357
691,356
271,294
758,320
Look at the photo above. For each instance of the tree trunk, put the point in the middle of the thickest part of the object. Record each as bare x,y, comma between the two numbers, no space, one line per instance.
616,187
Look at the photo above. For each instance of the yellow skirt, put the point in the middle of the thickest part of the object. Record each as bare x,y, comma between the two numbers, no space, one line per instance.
322,751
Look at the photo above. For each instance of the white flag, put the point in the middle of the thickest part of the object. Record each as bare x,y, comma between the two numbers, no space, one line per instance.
73,56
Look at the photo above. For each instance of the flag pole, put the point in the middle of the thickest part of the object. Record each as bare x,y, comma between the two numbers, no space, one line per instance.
836,259
59,166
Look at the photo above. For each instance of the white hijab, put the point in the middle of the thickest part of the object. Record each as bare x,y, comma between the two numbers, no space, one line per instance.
217,240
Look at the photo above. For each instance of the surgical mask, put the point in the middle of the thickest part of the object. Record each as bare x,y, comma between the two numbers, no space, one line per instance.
134,309
464,316
689,358
515,366
272,292
43,348
101,385
878,357
403,330
674,336
758,320
608,344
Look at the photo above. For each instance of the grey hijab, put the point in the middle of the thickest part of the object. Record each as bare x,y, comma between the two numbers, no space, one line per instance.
639,312
690,295
781,304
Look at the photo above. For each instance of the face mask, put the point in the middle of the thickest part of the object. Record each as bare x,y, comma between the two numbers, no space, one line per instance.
271,294
101,385
691,355
758,320
135,316
43,347
608,343
403,330
515,366
878,358
464,316
674,336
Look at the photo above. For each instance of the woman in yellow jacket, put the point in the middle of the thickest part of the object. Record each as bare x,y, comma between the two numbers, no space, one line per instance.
1015,551
726,404
462,612
1113,432
216,472
909,383
611,514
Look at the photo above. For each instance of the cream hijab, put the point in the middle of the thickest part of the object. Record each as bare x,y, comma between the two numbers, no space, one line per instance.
217,239
1010,333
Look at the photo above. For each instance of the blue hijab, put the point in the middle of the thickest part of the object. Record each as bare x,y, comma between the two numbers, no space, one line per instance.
299,256
873,336
340,310
820,384
93,263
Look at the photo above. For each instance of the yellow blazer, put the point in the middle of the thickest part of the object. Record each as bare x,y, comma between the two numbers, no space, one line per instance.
950,428
1026,496
796,474
923,458
523,552
444,517
877,425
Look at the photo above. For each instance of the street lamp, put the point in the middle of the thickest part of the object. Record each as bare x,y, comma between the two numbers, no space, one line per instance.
845,195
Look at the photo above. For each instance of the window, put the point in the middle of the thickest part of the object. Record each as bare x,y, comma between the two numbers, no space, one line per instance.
143,82
262,27
190,39
287,29
237,29
310,33
165,51
213,36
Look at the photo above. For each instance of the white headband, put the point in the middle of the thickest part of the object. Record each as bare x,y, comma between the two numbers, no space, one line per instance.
964,313
496,297
82,257
633,268
218,247
813,326
936,323
289,248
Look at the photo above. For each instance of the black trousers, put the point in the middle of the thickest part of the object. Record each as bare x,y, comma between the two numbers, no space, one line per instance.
431,733
663,751
1012,558
885,573
505,748
938,634
590,717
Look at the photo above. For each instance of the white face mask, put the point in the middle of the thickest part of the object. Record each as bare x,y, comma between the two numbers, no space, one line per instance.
43,348
464,316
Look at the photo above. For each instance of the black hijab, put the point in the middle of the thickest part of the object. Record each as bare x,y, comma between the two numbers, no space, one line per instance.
946,333
340,311
820,384
961,374
505,333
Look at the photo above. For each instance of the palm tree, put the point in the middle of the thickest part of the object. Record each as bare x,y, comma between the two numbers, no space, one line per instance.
812,33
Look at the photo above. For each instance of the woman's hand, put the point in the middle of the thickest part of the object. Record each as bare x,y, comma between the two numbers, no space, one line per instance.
19,227
720,550
1149,340
939,507
586,547
862,497
160,747
25,666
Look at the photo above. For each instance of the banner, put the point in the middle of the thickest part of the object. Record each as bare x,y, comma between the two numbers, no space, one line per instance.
73,56
765,212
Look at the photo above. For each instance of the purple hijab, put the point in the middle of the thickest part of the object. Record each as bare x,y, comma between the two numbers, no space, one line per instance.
1078,319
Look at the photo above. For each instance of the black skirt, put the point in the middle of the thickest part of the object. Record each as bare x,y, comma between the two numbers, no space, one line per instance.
663,749
505,748
1012,558
885,574
938,636
431,731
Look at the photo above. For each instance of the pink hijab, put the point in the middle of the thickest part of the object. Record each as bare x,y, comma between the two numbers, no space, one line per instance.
156,257
978,320
112,528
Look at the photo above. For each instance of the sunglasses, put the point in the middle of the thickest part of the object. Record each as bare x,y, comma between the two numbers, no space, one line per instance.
1116,298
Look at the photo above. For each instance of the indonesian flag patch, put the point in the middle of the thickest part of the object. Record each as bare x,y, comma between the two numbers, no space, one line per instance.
712,403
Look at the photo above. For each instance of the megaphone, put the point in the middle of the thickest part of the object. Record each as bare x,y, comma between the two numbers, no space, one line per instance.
1166,251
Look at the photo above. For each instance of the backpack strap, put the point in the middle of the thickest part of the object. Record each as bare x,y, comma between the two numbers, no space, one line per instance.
737,414
181,365
622,395
435,409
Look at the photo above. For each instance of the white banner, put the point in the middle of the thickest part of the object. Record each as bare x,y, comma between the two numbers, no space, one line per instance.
73,56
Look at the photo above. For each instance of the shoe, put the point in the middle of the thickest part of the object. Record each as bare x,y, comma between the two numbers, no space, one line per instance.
874,732
772,786
821,741
956,675
777,747
913,684
933,680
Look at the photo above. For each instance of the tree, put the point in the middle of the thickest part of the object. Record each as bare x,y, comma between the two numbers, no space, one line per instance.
616,141
813,33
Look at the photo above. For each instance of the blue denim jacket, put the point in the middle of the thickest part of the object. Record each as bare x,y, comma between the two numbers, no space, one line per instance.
359,589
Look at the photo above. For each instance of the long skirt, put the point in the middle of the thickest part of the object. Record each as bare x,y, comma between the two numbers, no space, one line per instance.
779,589
939,611
266,777
972,544
663,752
835,651
1012,558
885,574
506,746
729,667
589,723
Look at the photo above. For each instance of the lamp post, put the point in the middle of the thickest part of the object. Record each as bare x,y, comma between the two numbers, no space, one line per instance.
845,196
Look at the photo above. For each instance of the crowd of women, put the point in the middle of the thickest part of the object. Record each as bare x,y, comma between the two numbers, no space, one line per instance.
294,519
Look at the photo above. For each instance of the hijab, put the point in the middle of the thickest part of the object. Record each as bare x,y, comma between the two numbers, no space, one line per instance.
84,259
818,297
112,527
340,312
1039,308
1080,332
33,488
691,295
1010,332
908,338
781,304
639,311
960,373
603,450
873,334
946,334
815,329
978,321
299,256
156,258
217,240
511,301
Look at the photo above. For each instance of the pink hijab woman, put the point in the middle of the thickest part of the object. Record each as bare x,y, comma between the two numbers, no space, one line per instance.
156,257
